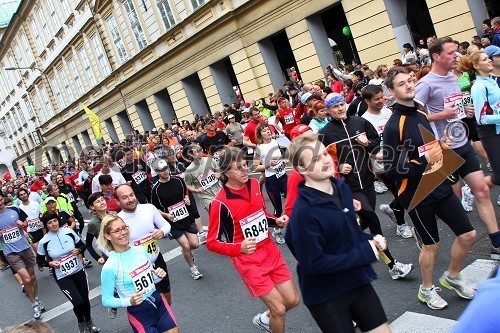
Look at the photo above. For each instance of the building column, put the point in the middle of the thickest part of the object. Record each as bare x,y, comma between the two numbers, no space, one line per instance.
134,118
210,89
271,62
180,101
397,11
320,41
372,31
479,14
154,110
452,18
251,72
118,128
304,52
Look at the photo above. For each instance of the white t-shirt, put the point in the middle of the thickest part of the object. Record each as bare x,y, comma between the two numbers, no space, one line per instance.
33,210
117,180
145,219
378,120
268,152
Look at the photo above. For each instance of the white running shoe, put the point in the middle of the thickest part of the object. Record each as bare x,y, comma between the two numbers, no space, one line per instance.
385,208
432,298
257,322
467,199
400,270
458,284
379,187
202,236
195,273
404,231
278,235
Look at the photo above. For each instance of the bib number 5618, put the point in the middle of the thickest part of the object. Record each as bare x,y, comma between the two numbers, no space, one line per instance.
144,282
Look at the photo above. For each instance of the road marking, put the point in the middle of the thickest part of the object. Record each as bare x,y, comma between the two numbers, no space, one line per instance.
412,322
96,292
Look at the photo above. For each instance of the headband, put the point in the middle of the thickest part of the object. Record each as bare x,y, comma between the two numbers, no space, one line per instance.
334,100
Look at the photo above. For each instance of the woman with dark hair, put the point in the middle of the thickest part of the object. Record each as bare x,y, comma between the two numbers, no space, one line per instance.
408,53
61,249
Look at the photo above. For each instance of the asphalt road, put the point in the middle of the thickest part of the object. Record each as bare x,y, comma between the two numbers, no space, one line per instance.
220,303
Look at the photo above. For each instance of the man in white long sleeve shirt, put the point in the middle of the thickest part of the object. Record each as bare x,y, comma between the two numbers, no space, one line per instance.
105,165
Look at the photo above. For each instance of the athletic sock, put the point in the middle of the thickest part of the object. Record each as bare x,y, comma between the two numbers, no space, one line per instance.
495,239
264,318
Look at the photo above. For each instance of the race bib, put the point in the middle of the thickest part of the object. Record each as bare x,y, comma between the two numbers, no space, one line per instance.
289,119
139,177
71,197
34,224
434,166
255,226
11,235
456,100
142,277
179,211
69,264
279,169
149,244
207,179
216,157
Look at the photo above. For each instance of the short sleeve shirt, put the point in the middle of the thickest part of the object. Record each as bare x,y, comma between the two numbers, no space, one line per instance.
13,239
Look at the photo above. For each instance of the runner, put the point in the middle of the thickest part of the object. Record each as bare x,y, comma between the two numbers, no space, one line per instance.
65,219
378,115
268,158
70,192
59,249
320,117
355,138
178,169
18,252
338,290
202,175
146,227
135,173
213,139
239,229
406,165
105,164
33,210
97,202
439,94
285,116
170,196
106,184
131,271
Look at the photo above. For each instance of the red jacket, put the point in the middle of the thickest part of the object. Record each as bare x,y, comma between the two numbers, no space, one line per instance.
229,207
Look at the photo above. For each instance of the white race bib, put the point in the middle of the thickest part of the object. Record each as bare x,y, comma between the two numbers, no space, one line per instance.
149,244
71,197
280,169
34,224
289,119
139,177
11,235
255,226
179,211
142,277
208,179
216,157
69,264
456,100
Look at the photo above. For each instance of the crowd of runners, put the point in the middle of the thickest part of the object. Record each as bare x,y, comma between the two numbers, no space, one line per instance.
435,111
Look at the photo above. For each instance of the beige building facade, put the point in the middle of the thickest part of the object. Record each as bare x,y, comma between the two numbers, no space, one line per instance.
141,63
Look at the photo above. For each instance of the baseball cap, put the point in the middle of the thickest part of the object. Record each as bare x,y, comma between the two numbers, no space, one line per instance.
160,165
305,97
231,116
208,121
299,130
492,50
49,199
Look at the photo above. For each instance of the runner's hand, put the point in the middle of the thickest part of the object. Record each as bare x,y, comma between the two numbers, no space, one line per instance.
374,248
434,153
74,252
157,234
380,242
356,204
450,112
20,223
186,200
362,140
136,298
55,264
469,111
101,261
345,168
248,246
282,221
159,272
